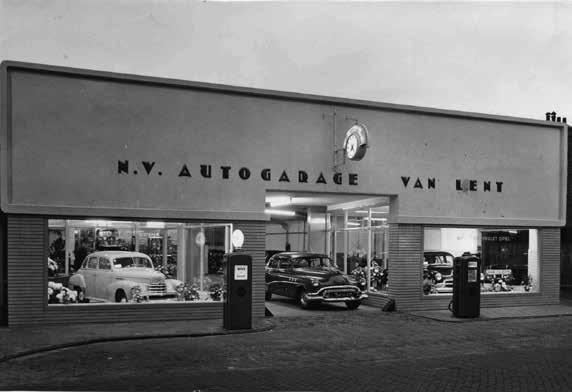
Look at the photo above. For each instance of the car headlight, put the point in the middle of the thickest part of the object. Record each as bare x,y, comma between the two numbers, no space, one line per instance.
315,283
438,276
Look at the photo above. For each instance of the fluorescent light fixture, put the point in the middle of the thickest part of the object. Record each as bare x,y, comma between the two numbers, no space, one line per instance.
317,221
376,219
155,225
354,224
279,212
103,223
373,212
277,201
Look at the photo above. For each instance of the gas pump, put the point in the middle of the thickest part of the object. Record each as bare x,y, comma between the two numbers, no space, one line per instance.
237,307
466,287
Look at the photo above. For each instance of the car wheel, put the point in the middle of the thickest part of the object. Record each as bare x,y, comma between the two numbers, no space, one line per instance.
268,296
120,296
303,299
80,294
353,304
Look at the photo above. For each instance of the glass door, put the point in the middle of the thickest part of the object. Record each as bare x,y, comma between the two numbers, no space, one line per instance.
360,244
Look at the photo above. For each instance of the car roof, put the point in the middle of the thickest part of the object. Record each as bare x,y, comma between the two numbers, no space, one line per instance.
114,254
436,252
300,254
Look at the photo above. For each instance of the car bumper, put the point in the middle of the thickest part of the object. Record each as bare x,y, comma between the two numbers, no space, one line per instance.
154,294
323,295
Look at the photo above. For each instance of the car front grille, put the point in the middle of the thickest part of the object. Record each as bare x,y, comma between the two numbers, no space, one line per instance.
340,292
157,288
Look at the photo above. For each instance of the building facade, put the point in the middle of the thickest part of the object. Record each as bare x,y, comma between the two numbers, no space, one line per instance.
101,168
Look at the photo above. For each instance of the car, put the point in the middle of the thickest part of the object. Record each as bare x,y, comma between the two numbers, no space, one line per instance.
438,269
120,276
310,278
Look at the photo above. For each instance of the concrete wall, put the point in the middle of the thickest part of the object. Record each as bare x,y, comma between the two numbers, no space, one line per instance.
121,145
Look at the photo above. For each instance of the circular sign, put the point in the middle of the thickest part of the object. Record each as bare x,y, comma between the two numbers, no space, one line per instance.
237,238
355,143
200,238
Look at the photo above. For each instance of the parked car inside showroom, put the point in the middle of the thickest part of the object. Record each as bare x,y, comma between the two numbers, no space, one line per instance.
117,276
310,278
438,271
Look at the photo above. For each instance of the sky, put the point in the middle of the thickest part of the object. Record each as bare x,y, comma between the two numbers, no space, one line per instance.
511,59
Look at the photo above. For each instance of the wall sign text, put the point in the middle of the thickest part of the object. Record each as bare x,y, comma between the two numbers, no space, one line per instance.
464,185
244,173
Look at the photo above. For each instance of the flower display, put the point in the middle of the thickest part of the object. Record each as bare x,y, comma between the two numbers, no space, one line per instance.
215,291
57,293
191,291
136,294
169,270
187,292
499,284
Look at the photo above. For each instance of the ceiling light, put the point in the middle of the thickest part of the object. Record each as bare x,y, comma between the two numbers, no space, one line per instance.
379,211
279,212
98,222
317,221
155,225
276,201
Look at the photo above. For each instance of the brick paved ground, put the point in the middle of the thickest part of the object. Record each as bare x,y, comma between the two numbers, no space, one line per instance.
329,351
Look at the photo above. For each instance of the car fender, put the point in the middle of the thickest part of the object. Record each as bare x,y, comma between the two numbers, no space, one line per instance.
300,285
76,280
125,285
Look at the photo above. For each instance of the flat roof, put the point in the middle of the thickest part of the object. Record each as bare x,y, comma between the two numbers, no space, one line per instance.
8,65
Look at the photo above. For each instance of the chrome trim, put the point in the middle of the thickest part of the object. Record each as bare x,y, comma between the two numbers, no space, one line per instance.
319,295
343,287
312,298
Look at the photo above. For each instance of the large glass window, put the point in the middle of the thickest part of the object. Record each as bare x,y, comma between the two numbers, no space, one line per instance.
508,258
361,245
105,261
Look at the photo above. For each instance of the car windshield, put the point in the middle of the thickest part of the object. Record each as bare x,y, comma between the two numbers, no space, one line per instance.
129,262
439,259
313,262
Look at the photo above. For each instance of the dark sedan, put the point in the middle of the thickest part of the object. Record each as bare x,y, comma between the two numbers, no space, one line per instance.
310,278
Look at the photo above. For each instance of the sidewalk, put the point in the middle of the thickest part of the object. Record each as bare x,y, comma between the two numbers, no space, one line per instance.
562,309
20,341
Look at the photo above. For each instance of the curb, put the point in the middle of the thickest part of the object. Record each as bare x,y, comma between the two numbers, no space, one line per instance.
54,347
484,319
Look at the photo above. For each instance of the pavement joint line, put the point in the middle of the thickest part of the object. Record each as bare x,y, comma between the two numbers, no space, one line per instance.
60,346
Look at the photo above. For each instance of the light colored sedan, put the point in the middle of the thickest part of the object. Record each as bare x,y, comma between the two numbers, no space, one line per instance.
115,276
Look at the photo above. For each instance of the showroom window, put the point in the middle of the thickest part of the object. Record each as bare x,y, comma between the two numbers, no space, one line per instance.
508,258
360,239
106,262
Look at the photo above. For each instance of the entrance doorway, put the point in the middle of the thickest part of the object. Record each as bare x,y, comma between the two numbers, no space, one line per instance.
353,230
